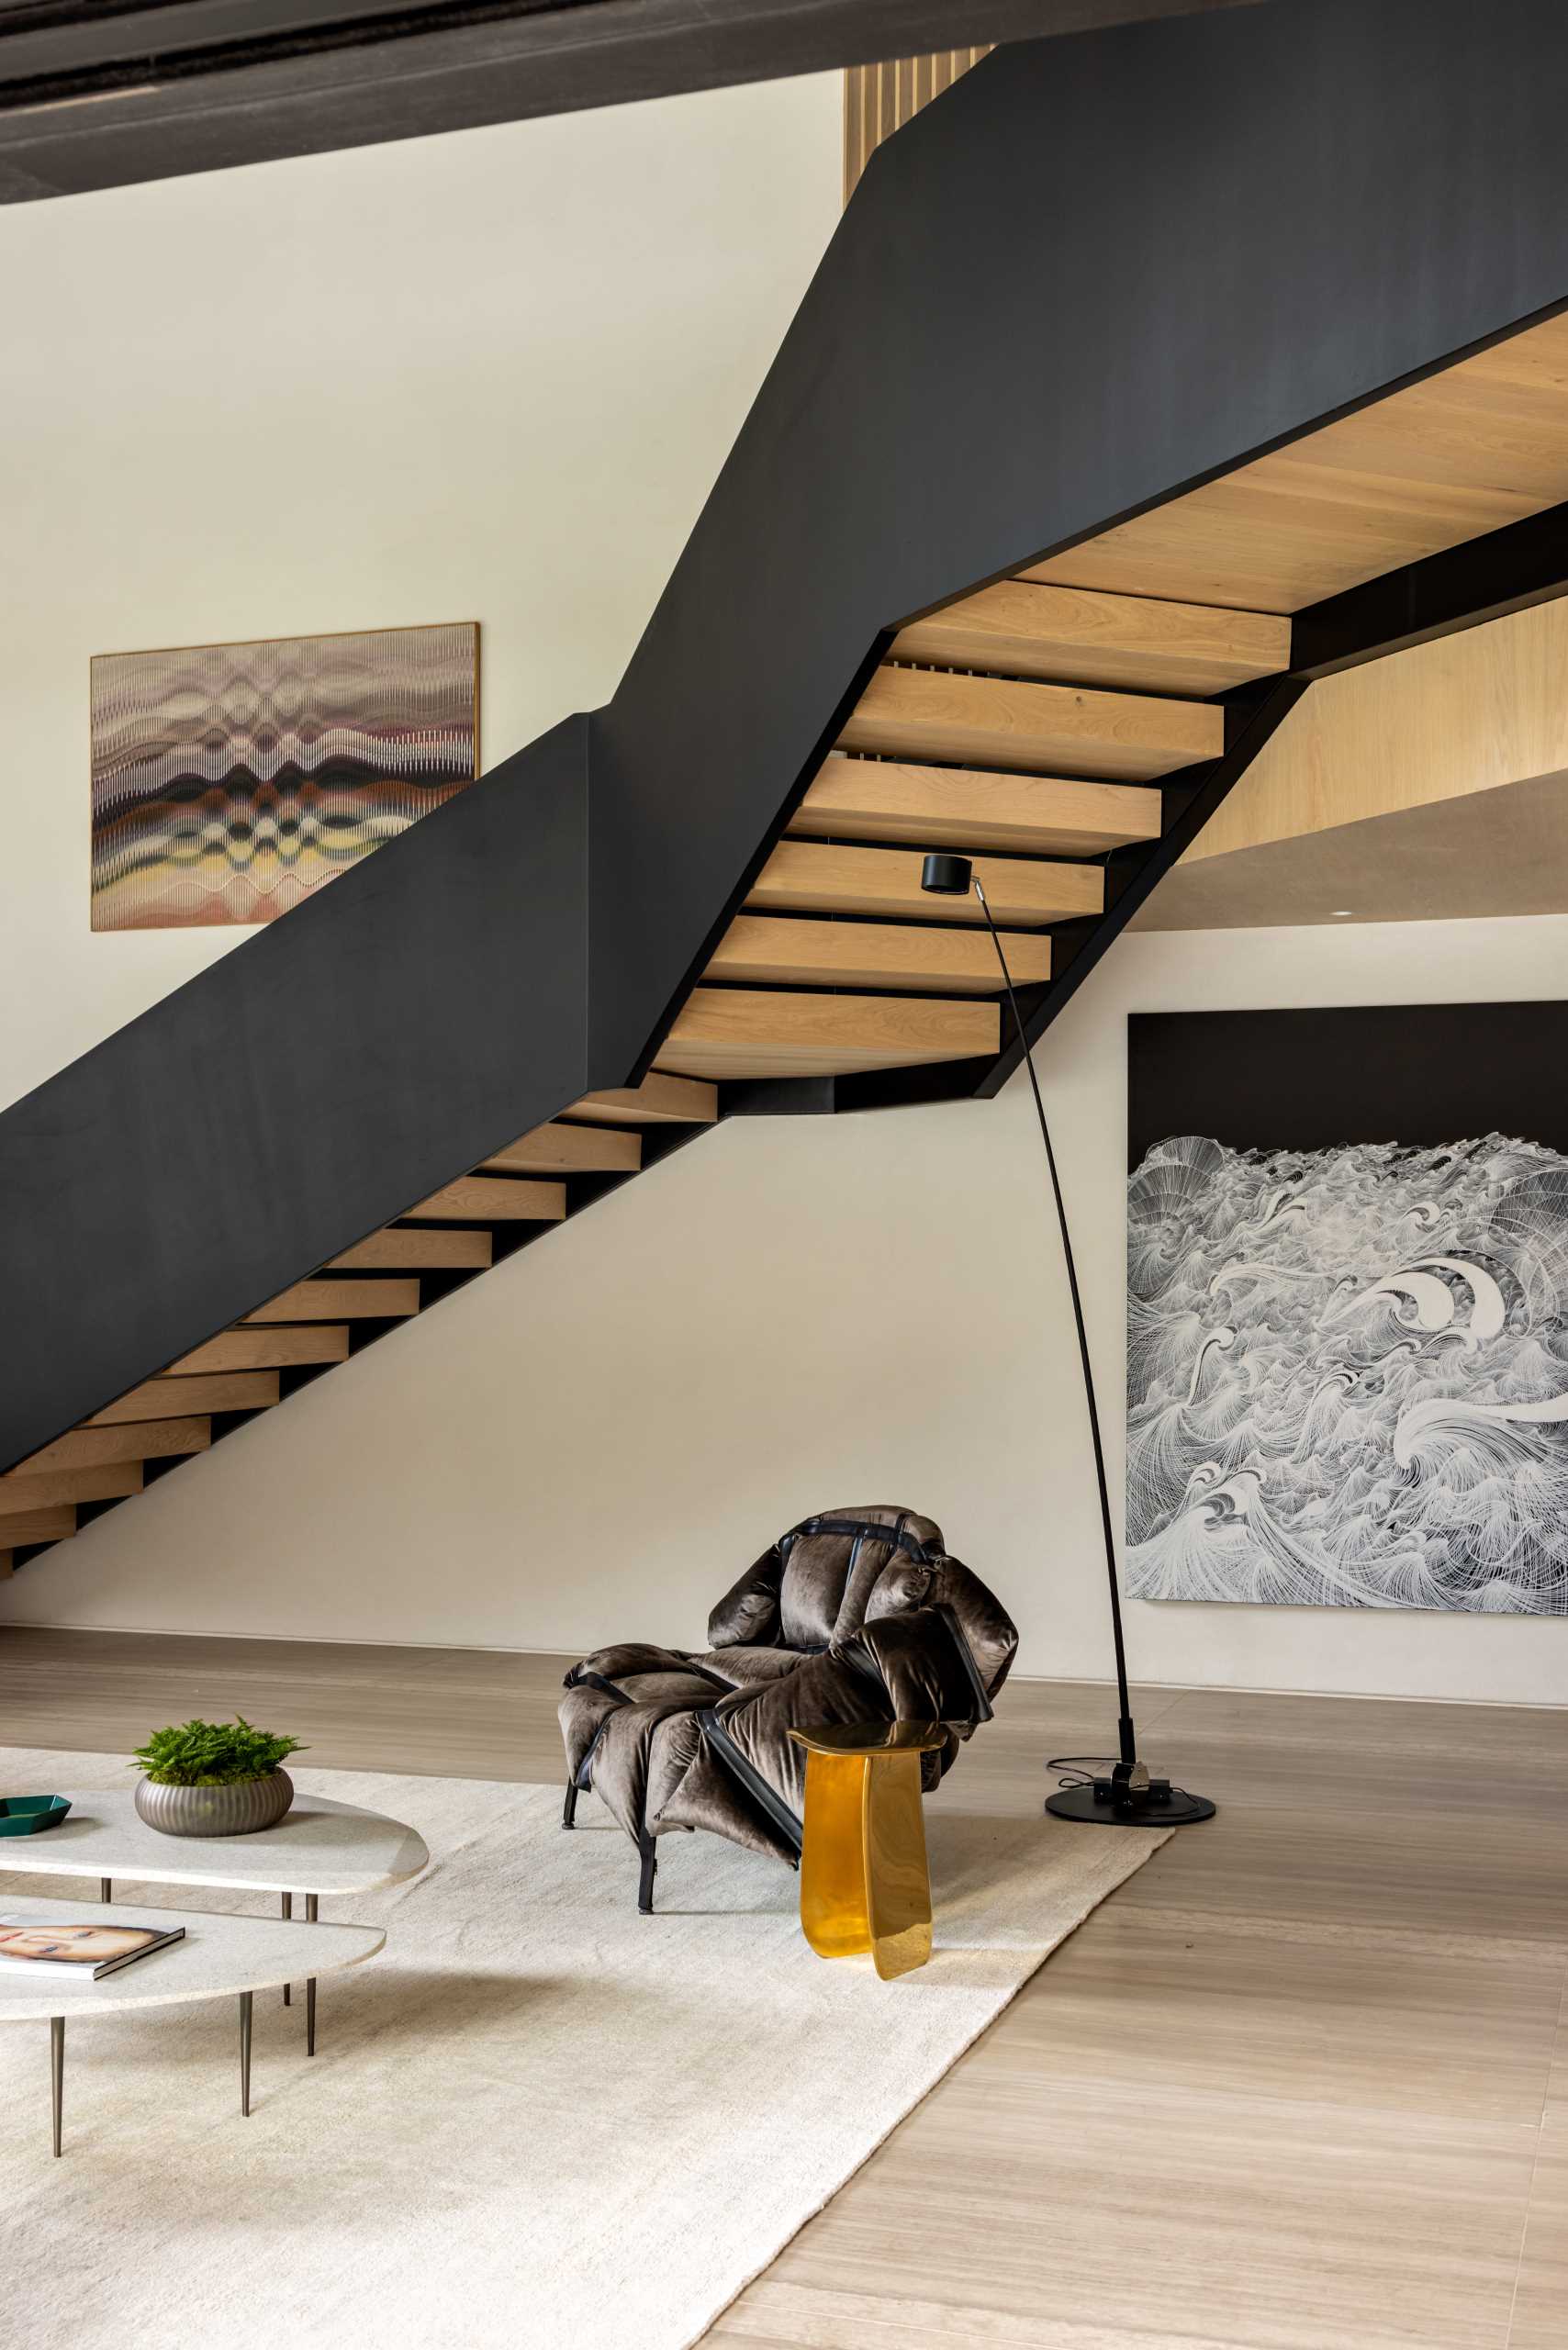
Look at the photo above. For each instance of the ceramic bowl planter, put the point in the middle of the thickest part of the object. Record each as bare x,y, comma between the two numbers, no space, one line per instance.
239,1809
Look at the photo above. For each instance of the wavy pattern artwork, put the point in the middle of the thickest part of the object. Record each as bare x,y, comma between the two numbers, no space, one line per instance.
1348,1375
231,780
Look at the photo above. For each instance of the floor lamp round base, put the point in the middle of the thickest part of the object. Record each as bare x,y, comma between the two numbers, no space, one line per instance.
1177,1809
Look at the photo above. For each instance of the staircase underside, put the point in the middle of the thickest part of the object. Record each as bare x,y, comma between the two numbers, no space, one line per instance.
1054,726
759,940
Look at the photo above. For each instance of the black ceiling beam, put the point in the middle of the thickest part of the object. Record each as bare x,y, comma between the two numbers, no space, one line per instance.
1524,563
94,96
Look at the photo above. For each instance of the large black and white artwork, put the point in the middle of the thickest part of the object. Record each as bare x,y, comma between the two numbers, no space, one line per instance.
1348,1308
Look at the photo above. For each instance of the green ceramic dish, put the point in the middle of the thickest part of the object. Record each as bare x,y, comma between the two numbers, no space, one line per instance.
30,1815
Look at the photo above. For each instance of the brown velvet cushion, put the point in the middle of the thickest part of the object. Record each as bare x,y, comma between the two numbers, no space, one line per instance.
740,1666
830,1575
825,1689
816,1567
750,1610
990,1630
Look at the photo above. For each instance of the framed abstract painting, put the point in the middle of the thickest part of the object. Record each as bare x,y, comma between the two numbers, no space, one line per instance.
229,781
1348,1308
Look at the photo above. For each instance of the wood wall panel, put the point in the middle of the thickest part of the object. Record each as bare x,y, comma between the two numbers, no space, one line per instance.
1486,707
879,99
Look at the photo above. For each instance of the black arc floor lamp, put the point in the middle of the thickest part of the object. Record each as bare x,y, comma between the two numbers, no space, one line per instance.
1126,1794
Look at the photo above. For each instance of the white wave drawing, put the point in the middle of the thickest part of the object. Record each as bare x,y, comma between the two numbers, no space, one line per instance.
1348,1376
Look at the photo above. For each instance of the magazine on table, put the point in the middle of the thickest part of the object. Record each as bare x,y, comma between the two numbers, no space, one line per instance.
81,1954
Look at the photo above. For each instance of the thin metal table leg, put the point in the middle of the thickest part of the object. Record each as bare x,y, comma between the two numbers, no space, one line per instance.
287,1901
106,1888
310,1986
57,2072
245,1999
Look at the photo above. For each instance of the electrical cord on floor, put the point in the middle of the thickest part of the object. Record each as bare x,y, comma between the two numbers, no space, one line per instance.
1083,1767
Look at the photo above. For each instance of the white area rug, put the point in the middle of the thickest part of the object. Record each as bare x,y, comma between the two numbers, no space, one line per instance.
537,2121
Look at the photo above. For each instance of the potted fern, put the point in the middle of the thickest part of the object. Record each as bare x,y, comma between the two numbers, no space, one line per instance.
214,1779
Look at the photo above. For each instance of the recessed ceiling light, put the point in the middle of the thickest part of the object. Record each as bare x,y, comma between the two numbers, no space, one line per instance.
1342,914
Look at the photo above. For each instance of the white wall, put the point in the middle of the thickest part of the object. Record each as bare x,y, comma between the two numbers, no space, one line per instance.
790,1316
490,376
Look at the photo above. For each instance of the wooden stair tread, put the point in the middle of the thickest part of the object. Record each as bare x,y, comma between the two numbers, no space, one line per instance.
496,1199
170,1399
1467,448
1006,722
325,1301
973,809
558,1149
93,1448
20,1496
402,1249
824,878
258,1348
660,1100
772,949
737,1032
55,1525
1022,628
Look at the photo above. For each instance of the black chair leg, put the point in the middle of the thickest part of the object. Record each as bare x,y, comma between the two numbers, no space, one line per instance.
645,1883
569,1809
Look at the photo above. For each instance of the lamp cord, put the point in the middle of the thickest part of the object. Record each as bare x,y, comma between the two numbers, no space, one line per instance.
1125,1735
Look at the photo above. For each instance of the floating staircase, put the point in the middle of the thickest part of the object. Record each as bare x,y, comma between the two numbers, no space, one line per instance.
946,595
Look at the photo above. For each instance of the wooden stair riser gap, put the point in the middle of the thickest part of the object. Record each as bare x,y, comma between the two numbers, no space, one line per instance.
1071,635
56,1525
559,1149
338,1301
1049,730
112,1483
660,1100
260,1348
972,809
773,949
401,1249
809,877
494,1198
734,1032
95,1448
167,1399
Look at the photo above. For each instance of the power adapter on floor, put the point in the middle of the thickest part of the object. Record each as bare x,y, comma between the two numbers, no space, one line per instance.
1157,1791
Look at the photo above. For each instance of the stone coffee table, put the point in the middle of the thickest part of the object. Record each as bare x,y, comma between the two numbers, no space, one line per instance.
318,1847
218,1956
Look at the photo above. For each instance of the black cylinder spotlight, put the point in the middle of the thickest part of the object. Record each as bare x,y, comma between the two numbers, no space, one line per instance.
946,877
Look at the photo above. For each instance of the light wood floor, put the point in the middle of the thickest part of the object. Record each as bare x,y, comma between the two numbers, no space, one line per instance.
1301,2084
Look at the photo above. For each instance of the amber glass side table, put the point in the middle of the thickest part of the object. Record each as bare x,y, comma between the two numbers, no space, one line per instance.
864,1880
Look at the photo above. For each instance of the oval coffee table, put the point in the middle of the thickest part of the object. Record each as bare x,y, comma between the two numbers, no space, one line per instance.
320,1846
219,1956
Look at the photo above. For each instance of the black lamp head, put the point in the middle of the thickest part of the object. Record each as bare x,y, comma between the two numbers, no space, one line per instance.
946,877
